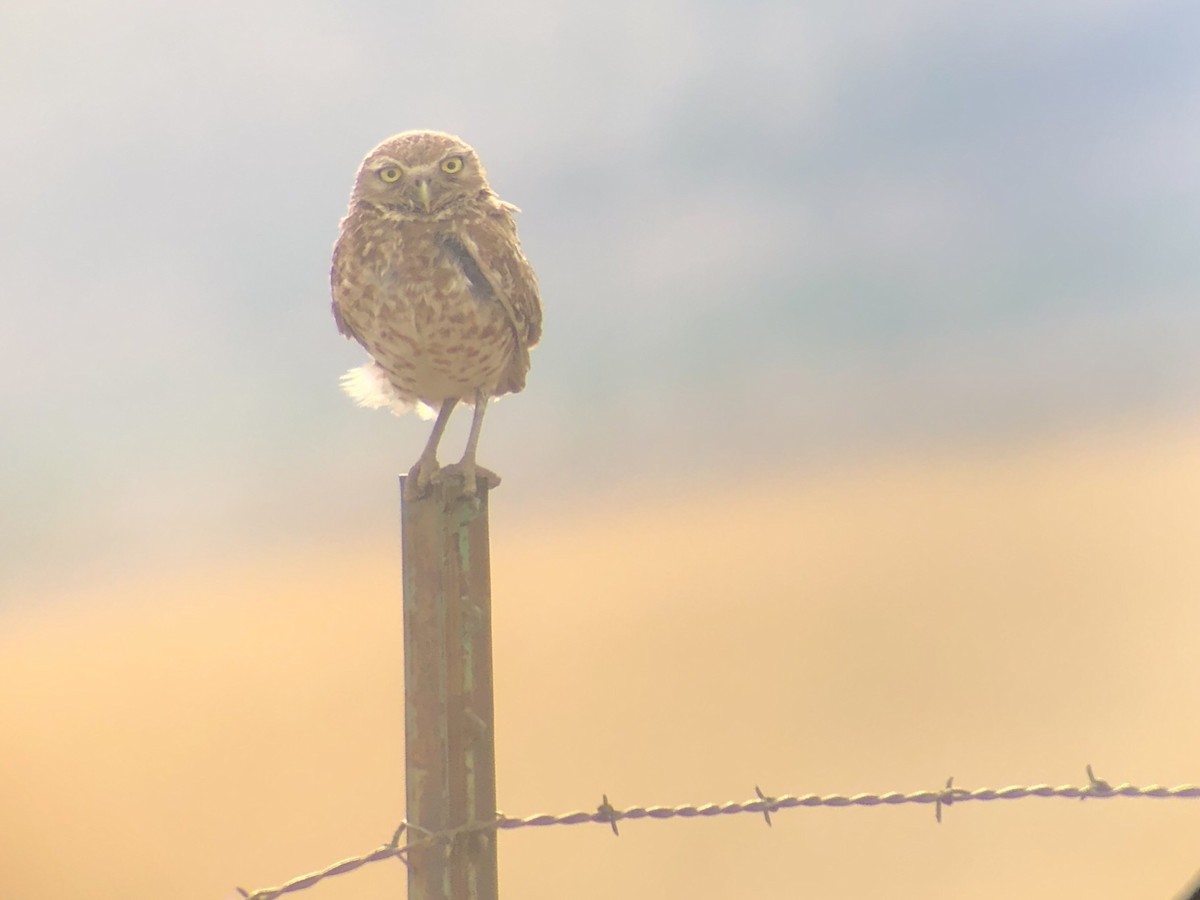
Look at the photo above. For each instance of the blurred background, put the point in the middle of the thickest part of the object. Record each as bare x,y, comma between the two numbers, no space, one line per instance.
862,450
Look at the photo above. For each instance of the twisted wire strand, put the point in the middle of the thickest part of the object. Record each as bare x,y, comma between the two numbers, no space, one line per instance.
762,804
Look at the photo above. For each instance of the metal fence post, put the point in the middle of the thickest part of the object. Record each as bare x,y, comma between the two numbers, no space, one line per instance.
450,758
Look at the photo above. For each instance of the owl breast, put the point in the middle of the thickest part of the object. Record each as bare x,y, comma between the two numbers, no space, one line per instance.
423,316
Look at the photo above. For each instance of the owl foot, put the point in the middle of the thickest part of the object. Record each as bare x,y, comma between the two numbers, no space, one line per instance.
469,473
421,476
424,476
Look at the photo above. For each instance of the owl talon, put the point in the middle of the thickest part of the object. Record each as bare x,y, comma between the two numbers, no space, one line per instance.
422,476
470,475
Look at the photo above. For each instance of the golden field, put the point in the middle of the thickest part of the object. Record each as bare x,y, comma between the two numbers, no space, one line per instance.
1002,615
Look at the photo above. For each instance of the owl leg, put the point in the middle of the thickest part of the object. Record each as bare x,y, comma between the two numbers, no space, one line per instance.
427,465
466,467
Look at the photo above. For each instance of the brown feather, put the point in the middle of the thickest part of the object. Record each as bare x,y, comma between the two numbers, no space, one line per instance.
444,300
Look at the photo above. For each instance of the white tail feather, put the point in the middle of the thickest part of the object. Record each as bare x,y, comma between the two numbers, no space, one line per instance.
369,386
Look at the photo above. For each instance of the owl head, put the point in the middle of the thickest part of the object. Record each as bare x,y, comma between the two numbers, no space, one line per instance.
421,173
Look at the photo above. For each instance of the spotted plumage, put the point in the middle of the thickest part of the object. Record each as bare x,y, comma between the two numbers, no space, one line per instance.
428,275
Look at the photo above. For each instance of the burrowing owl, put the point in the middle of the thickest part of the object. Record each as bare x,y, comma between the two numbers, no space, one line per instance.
428,275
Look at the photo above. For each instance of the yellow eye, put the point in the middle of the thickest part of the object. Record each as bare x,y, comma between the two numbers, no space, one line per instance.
391,174
453,165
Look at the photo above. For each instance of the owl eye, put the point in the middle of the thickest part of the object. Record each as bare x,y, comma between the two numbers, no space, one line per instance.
453,165
391,174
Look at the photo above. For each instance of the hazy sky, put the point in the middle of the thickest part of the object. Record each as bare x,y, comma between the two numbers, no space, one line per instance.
765,231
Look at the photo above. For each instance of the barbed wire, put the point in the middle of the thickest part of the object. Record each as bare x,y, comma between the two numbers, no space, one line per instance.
762,804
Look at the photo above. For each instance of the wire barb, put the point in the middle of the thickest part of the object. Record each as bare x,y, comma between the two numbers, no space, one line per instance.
1098,786
762,804
944,798
768,804
606,813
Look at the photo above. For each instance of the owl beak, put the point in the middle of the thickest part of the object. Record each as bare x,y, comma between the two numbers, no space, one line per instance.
423,193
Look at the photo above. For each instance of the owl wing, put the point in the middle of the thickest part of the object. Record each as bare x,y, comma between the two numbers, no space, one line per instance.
340,278
342,325
487,249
